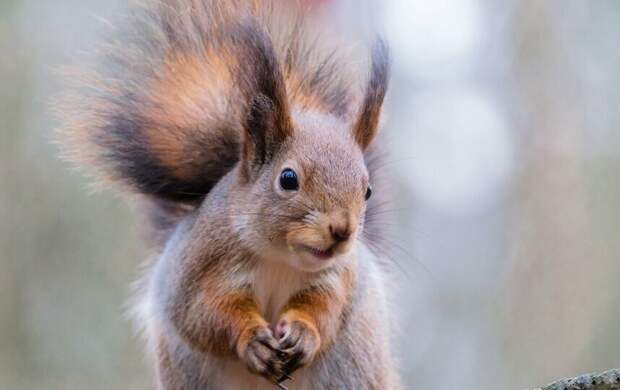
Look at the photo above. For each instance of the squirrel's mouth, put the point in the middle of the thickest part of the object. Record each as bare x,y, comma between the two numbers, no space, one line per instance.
322,254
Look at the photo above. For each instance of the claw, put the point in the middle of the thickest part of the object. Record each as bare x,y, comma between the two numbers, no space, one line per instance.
282,387
285,377
293,362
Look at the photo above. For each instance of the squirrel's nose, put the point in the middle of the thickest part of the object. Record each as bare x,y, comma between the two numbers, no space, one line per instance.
339,233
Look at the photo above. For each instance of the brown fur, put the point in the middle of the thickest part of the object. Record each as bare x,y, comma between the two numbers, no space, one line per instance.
204,107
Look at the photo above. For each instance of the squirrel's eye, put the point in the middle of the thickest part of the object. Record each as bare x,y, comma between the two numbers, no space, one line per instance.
288,180
368,192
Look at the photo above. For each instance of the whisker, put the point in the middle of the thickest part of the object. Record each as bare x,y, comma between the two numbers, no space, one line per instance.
385,163
382,223
386,243
385,211
382,253
372,206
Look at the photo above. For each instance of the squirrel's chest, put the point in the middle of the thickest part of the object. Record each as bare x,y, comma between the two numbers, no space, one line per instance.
274,284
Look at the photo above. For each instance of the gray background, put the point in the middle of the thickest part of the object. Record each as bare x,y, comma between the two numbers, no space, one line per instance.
503,124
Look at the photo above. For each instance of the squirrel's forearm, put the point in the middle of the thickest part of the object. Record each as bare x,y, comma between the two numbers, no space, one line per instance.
215,323
320,307
209,308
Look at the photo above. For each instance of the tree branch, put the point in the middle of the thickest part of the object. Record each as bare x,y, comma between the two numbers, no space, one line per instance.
609,380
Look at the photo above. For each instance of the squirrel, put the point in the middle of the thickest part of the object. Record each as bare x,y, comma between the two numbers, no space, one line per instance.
249,143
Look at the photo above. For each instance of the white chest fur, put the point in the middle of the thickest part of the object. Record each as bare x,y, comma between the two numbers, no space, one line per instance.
274,284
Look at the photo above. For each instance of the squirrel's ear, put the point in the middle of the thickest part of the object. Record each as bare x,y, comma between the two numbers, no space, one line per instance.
268,123
267,126
367,124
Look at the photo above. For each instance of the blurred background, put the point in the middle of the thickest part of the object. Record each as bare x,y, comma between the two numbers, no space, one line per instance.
504,128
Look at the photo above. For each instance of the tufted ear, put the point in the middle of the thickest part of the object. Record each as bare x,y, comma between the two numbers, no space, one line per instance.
365,130
266,128
267,124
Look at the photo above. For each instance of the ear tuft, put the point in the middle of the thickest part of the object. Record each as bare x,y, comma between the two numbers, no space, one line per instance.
258,121
367,124
268,122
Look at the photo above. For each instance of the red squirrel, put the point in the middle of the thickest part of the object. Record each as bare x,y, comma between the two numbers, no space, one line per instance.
247,140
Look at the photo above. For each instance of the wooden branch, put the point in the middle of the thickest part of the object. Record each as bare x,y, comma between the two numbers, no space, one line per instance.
609,380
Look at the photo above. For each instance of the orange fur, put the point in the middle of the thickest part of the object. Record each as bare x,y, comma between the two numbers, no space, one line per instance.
321,308
192,95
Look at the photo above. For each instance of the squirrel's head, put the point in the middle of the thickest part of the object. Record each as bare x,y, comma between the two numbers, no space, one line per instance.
306,179
310,198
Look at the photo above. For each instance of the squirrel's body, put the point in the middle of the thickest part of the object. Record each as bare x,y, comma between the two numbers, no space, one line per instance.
359,360
250,149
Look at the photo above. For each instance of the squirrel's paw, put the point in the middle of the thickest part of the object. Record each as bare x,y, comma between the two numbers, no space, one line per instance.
299,342
261,355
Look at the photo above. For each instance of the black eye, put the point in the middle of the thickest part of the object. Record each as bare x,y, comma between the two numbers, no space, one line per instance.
288,180
368,192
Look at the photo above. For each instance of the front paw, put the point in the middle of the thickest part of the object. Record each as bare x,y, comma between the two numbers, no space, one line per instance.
299,341
259,351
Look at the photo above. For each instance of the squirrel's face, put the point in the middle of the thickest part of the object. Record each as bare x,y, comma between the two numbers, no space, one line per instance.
313,196
305,176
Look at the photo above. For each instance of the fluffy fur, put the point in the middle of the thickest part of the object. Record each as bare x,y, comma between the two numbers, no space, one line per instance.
198,107
161,112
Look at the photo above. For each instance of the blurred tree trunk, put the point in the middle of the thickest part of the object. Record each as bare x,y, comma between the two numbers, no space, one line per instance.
549,292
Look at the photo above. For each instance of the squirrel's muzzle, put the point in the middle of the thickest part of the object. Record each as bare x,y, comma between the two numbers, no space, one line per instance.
341,226
340,233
